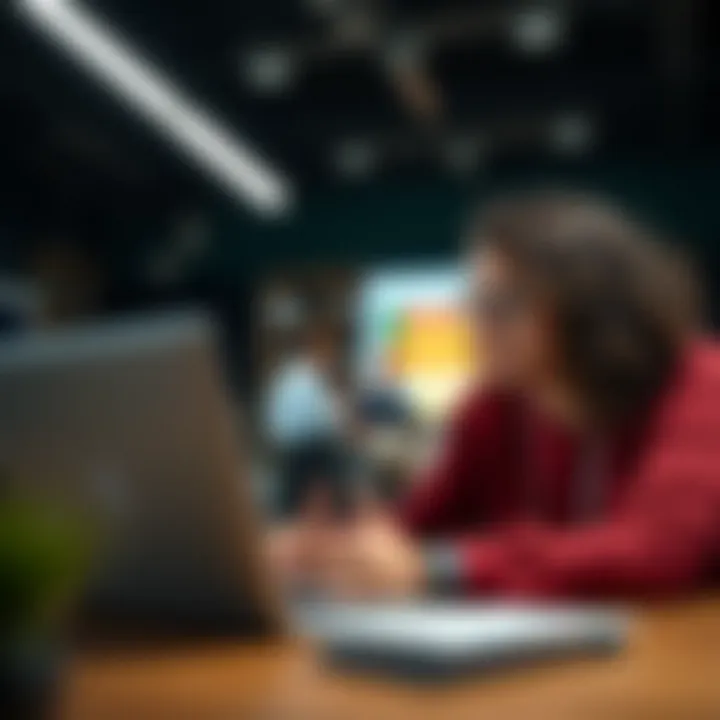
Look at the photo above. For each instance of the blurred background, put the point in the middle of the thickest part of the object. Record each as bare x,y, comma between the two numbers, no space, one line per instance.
305,168
300,164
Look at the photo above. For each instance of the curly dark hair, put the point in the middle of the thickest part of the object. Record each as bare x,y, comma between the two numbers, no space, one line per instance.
624,303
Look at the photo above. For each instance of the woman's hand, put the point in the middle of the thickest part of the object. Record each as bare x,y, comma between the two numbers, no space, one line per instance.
297,551
368,558
373,559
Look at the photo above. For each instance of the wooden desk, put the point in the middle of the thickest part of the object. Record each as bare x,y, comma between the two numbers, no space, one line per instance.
671,670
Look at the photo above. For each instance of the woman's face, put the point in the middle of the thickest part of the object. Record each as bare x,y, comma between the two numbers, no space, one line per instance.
512,329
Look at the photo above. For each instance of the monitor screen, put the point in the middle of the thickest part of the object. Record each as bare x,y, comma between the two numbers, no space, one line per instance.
414,336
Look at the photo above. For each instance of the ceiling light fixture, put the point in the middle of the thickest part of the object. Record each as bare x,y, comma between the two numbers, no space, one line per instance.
356,158
538,30
234,164
572,134
269,69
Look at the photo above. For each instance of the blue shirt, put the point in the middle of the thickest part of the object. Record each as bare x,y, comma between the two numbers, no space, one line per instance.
300,405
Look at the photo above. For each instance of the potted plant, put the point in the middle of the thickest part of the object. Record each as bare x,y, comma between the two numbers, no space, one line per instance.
42,564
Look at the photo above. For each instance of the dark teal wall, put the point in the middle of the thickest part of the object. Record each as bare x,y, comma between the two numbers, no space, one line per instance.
351,225
423,219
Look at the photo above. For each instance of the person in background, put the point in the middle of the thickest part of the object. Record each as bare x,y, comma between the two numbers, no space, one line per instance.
587,462
304,421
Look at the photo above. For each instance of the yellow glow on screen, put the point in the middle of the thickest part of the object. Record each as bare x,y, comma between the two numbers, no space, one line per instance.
431,355
416,336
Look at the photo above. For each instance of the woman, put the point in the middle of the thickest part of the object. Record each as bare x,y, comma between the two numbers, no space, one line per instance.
588,462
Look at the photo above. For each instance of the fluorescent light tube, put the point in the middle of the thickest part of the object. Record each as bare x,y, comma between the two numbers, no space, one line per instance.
234,164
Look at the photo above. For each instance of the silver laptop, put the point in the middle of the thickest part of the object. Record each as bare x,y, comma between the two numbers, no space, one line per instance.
129,425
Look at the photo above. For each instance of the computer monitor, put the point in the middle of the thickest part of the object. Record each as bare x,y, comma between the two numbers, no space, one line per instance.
129,424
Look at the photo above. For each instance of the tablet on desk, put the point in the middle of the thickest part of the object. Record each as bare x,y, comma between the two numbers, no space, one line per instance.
440,641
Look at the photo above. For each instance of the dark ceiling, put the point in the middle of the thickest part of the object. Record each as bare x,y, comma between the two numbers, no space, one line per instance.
351,90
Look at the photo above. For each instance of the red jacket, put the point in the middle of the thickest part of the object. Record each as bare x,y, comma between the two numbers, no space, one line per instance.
533,511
